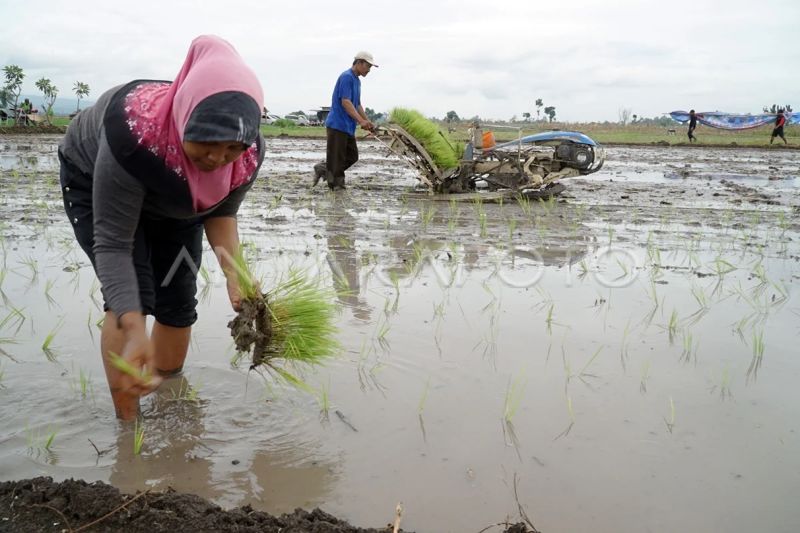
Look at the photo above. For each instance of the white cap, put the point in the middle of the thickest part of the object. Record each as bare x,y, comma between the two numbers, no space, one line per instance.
365,56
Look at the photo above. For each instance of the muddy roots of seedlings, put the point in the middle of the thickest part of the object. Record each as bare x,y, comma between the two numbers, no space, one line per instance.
252,328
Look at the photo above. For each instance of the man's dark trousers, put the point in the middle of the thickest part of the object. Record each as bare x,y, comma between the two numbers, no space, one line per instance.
342,153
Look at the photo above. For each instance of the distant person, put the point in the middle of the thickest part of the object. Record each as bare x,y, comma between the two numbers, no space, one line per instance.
346,113
692,126
25,109
780,120
144,171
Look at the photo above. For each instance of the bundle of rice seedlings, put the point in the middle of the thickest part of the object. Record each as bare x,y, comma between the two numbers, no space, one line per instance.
292,323
443,151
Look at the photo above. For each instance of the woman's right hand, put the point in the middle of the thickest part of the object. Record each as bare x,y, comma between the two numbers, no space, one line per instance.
139,352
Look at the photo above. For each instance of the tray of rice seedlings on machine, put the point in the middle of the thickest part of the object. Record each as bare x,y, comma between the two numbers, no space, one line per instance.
289,326
530,166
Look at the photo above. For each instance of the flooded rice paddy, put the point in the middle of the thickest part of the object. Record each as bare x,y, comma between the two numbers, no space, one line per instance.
623,358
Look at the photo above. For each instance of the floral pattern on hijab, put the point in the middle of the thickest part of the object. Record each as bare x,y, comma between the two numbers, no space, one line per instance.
157,113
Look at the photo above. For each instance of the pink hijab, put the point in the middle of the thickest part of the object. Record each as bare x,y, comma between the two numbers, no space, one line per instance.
157,115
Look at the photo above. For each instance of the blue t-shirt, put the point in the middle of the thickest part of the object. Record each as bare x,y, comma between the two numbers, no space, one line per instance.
347,86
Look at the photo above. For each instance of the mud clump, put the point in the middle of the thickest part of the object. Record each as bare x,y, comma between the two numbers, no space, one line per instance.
42,505
252,328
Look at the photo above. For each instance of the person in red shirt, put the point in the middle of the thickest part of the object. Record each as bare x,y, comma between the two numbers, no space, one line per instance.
778,131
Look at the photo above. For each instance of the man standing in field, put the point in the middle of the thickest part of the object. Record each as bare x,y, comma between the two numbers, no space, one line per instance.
692,125
780,120
346,113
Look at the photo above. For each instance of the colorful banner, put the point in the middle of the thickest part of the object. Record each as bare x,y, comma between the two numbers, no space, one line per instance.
729,121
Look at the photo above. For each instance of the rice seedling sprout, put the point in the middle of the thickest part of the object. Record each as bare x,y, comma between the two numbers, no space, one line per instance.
138,436
48,340
671,422
514,393
424,397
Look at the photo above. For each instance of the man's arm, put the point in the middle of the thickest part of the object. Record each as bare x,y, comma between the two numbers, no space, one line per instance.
358,115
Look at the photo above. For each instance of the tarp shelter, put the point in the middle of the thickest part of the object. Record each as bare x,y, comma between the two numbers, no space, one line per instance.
731,121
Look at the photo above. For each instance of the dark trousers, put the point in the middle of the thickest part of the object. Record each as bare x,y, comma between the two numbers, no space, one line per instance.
691,132
341,154
778,132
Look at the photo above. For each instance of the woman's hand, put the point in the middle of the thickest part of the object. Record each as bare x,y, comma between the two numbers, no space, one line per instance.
234,293
139,352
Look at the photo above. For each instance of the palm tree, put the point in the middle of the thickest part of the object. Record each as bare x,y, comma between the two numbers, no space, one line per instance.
81,89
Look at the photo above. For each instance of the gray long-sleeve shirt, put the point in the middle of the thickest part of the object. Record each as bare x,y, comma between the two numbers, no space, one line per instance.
120,199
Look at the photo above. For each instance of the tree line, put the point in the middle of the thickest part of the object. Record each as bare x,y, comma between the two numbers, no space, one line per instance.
13,76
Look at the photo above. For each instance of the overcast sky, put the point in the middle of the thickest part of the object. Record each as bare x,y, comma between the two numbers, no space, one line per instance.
589,59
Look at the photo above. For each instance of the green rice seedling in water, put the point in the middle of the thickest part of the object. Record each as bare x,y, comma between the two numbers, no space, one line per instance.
381,331
275,202
672,326
514,393
583,269
37,441
512,226
32,265
48,442
47,287
671,422
740,327
702,300
758,355
623,350
722,267
525,204
186,393
645,375
93,293
138,436
622,267
583,373
323,398
783,222
689,348
427,214
15,317
83,384
725,385
549,319
424,397
7,340
571,414
3,294
48,340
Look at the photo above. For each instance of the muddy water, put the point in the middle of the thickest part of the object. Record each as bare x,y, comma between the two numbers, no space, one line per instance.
626,355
